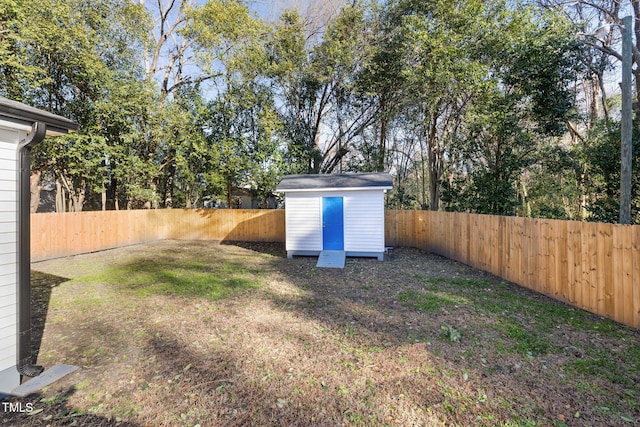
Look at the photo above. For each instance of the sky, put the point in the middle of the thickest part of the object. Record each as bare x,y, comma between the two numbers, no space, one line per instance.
271,9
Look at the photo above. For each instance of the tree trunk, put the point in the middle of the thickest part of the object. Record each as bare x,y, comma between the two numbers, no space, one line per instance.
169,184
60,197
76,197
423,177
229,189
434,190
35,189
382,142
635,59
594,98
435,167
153,203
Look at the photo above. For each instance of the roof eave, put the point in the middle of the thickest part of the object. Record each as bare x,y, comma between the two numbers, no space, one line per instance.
315,190
25,115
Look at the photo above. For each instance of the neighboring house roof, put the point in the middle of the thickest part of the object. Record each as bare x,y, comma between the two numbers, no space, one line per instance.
340,181
21,116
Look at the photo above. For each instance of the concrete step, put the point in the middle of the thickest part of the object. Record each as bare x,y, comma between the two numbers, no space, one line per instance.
332,259
49,376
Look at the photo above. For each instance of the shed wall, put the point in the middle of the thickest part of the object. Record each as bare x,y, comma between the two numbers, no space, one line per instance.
303,222
8,248
363,220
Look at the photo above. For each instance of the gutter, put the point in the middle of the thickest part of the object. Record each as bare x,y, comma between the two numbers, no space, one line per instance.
21,113
25,366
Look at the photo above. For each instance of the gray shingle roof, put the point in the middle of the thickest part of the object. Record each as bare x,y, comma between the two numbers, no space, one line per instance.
380,180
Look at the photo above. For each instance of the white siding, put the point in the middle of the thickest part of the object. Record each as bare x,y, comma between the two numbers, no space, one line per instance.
9,138
303,222
8,268
7,152
5,279
7,165
8,196
8,246
7,237
6,301
8,227
7,216
8,185
8,258
8,343
364,221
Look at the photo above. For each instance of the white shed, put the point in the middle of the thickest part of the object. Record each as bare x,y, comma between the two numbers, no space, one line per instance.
335,212
21,127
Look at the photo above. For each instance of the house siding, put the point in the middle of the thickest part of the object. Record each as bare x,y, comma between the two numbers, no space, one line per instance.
8,247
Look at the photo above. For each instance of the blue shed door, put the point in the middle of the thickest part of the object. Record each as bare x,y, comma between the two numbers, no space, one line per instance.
332,224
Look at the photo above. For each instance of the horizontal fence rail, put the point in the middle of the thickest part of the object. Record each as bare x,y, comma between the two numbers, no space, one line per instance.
593,266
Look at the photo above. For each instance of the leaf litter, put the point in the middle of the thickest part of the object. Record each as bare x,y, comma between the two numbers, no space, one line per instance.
414,340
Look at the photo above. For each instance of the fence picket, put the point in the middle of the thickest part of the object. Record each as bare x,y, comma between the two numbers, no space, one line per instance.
626,284
635,281
590,262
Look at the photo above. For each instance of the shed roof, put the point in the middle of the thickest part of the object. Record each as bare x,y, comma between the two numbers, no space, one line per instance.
20,115
339,181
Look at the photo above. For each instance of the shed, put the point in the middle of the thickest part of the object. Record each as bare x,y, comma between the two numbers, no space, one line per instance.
21,128
335,212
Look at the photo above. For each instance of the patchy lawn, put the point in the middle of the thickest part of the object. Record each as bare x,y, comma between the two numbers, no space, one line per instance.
180,333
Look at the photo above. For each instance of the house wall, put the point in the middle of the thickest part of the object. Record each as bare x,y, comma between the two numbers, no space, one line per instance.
9,377
363,220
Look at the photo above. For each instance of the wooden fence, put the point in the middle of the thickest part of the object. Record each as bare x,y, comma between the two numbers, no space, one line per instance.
62,234
593,266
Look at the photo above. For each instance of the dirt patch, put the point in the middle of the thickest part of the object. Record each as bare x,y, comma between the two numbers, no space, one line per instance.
200,333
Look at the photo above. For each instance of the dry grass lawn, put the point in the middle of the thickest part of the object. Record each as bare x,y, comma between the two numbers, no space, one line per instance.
181,333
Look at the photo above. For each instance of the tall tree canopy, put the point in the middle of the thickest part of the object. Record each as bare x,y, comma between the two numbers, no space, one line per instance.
471,105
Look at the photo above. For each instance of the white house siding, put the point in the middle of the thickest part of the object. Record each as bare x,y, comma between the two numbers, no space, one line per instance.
8,247
303,222
364,221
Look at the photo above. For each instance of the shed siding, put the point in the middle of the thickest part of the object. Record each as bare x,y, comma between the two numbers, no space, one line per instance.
8,247
303,222
364,221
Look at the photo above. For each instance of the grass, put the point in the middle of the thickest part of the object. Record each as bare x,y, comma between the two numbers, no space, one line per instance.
427,302
176,276
528,335
188,333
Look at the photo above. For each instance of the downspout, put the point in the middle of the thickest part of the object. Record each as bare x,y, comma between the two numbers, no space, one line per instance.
25,367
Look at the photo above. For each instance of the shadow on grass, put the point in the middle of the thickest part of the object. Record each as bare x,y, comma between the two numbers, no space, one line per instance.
269,248
503,327
42,285
368,307
222,388
176,274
